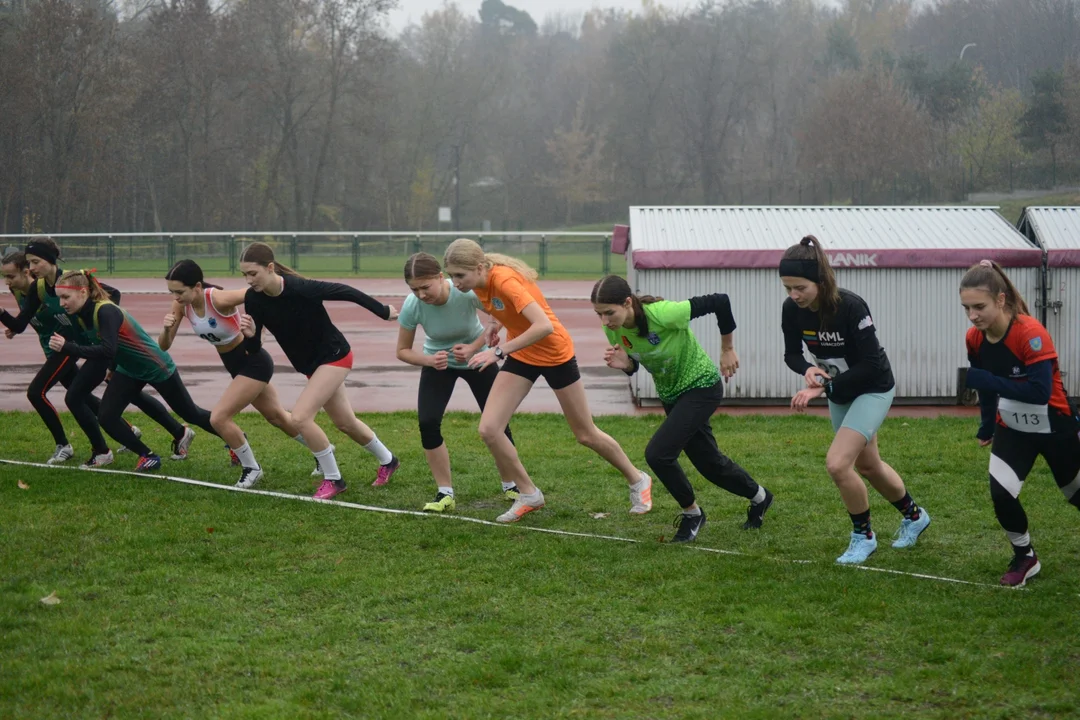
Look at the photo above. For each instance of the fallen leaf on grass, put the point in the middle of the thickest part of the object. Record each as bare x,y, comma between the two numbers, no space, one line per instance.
51,599
210,530
23,486
599,516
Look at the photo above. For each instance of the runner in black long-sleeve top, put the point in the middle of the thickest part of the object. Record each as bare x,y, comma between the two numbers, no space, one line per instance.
852,370
291,307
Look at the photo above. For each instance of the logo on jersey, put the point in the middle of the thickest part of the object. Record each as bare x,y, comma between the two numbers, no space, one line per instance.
653,338
1016,371
866,322
626,342
1035,343
212,322
497,304
830,339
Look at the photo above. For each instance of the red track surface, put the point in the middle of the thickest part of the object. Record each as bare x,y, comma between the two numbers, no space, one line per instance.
379,382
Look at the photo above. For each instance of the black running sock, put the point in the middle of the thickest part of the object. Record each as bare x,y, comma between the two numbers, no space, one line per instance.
861,523
908,508
1024,551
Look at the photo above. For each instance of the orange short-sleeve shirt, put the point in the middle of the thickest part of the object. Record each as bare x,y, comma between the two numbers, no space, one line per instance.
506,295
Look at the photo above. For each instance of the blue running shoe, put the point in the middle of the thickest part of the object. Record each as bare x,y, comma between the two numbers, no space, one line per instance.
910,530
861,547
148,463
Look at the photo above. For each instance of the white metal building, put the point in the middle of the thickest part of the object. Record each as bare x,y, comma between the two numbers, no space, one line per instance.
1057,231
906,262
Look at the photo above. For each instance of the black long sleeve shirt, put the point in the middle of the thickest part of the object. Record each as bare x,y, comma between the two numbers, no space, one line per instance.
300,323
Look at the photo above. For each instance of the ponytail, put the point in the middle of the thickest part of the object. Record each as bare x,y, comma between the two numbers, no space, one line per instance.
466,253
80,279
989,276
614,290
808,260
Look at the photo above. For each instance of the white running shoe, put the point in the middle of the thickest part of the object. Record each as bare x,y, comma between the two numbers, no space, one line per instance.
524,505
62,454
180,447
99,460
641,498
138,434
249,476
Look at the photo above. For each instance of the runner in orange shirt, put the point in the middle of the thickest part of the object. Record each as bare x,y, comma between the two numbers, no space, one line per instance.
537,345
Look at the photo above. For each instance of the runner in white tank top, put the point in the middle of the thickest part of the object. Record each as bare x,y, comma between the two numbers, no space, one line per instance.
214,317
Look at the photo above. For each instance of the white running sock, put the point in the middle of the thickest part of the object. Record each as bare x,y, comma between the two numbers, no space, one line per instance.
300,439
376,448
760,496
692,513
328,463
640,484
508,485
247,457
447,491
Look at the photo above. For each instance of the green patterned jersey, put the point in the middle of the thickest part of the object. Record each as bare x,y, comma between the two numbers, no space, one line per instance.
670,352
137,354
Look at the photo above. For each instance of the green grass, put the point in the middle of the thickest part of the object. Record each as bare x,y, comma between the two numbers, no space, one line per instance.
179,601
1011,209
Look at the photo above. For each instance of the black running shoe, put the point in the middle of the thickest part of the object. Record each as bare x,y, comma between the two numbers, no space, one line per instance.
689,527
756,513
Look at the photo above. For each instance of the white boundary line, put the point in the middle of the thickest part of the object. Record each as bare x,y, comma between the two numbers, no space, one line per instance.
477,521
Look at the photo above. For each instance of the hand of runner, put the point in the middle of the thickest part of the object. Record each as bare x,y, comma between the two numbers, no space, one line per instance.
482,360
812,376
9,333
615,357
462,352
393,312
729,363
491,335
804,396
440,360
170,320
247,325
984,443
56,342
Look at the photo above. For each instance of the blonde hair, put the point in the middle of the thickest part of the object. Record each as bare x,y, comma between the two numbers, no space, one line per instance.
467,253
83,279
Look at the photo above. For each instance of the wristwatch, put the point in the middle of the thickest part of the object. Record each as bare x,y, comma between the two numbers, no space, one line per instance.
499,354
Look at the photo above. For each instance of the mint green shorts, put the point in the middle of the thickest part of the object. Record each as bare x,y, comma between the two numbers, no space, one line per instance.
864,414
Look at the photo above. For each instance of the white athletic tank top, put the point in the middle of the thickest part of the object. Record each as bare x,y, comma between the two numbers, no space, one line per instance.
215,328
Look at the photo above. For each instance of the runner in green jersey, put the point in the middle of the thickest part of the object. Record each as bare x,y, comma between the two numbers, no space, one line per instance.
655,333
108,335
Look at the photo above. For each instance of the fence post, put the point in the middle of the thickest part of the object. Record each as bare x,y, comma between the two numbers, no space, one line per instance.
294,254
110,259
356,254
171,252
543,256
417,244
605,253
232,254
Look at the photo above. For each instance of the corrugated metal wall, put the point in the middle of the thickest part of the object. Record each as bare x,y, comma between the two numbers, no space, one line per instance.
918,316
1064,324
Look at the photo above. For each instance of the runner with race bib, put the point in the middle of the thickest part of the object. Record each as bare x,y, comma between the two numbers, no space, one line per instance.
1025,411
851,369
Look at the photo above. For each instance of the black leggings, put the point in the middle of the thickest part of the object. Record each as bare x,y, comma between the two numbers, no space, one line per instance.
90,375
436,387
62,369
687,428
124,389
1012,457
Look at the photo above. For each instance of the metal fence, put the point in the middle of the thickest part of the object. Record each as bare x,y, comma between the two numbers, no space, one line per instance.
325,253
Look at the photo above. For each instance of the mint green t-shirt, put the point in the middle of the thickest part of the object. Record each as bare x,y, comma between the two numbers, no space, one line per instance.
670,352
452,323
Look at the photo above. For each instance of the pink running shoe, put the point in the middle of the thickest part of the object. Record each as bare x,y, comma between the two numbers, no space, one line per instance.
385,471
329,489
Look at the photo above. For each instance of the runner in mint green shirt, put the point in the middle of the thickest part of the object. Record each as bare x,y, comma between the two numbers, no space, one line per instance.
453,334
655,333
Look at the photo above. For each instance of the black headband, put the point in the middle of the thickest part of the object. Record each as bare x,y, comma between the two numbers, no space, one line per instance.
43,251
799,268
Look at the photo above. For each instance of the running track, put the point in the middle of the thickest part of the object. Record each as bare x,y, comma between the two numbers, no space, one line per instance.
378,382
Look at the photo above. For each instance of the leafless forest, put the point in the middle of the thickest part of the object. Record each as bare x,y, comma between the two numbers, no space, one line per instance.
309,115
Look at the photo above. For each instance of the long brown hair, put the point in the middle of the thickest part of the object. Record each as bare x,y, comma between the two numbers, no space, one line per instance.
189,274
467,253
614,290
422,265
989,276
262,254
809,248
82,279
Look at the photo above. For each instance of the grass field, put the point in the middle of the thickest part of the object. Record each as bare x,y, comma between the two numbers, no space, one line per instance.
180,601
